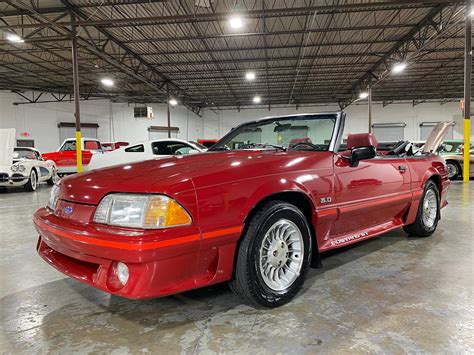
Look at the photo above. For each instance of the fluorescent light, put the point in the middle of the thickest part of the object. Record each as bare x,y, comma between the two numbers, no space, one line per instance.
257,99
107,82
399,67
472,13
12,37
173,102
363,95
236,22
250,76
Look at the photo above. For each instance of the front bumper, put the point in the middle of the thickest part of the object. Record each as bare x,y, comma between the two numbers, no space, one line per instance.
14,179
158,264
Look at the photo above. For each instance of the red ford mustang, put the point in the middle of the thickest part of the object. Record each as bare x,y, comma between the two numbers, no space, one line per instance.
256,210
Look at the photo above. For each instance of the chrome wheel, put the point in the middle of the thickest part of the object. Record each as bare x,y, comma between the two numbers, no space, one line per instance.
281,255
33,180
452,170
430,208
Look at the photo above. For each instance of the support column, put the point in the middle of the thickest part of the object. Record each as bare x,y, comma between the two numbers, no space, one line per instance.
168,107
369,91
467,90
75,77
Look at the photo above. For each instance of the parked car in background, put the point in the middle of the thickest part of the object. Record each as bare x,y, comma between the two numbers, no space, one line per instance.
255,210
452,152
23,166
66,156
144,151
208,143
109,146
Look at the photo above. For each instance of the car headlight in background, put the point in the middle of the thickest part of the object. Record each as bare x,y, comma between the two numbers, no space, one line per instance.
53,197
17,167
141,211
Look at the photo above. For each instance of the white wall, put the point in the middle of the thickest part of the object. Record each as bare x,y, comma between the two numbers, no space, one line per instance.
220,122
41,120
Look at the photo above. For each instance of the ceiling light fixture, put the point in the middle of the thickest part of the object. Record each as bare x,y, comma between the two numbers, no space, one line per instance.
107,82
363,95
250,76
257,99
236,22
399,67
12,37
173,102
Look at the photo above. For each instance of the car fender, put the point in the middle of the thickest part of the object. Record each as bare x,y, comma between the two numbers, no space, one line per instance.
271,187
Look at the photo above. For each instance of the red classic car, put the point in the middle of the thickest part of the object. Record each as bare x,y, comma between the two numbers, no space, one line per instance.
256,210
66,157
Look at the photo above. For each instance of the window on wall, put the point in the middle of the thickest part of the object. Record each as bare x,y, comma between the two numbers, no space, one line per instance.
25,143
427,127
68,130
161,132
389,132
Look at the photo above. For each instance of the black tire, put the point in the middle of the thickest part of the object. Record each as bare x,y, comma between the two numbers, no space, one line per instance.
453,169
32,185
54,177
419,228
248,282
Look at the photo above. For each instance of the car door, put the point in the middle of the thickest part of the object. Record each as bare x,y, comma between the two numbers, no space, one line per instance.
374,193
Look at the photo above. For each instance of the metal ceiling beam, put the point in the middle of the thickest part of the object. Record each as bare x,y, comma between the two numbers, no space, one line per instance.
414,40
278,12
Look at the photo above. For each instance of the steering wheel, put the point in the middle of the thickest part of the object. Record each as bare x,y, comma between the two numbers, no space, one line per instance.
308,144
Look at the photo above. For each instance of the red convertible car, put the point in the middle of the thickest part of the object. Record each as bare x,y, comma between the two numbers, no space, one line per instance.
256,210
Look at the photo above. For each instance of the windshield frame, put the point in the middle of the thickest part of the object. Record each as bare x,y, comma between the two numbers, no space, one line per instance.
336,136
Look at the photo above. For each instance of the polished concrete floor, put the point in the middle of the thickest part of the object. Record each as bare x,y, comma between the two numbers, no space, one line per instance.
392,294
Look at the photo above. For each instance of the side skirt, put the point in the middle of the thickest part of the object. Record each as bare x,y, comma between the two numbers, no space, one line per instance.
351,238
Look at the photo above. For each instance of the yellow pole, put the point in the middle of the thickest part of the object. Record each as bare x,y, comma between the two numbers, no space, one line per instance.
467,145
79,151
467,89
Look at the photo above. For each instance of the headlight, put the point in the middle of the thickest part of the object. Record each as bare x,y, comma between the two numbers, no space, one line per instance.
14,168
141,211
53,197
21,168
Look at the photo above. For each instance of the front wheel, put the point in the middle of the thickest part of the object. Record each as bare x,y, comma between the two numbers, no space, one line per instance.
274,256
453,169
32,181
428,213
54,177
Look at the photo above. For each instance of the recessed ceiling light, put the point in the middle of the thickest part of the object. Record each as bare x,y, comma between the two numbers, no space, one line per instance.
399,67
250,76
107,82
363,95
236,22
173,102
12,37
257,99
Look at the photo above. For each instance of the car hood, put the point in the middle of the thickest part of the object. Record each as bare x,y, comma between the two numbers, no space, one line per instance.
436,137
180,173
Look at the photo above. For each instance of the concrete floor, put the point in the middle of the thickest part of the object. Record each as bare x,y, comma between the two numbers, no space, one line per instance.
390,294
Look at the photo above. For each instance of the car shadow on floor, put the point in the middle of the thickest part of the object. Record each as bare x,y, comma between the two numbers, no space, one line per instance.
66,304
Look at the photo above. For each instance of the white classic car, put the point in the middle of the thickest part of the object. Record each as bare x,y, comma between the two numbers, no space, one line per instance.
23,166
145,151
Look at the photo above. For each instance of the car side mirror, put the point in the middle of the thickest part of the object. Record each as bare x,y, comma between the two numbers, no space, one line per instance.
361,153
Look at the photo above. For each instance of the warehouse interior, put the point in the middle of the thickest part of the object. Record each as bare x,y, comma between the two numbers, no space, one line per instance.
131,71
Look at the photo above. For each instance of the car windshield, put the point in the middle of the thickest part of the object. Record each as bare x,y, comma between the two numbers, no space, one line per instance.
305,132
24,154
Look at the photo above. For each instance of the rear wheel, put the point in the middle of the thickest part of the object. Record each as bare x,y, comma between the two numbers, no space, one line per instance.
428,213
32,181
54,178
274,256
453,169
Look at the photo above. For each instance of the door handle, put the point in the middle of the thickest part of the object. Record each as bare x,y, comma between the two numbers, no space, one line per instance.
402,168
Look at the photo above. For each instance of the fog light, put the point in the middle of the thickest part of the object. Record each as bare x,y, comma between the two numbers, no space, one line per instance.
122,272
